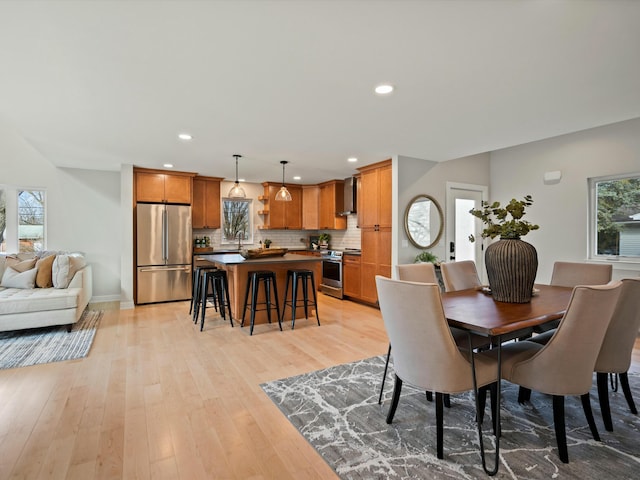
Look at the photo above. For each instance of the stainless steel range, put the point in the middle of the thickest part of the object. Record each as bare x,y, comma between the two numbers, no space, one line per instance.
331,273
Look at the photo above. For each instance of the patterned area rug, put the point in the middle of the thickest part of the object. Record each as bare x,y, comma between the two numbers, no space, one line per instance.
337,411
22,348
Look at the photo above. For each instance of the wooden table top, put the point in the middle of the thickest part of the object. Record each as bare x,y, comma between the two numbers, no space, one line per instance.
479,312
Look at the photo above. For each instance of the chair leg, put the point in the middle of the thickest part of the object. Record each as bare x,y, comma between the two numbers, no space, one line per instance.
246,298
429,396
277,302
439,424
286,292
294,299
267,296
397,388
524,394
225,287
624,382
558,423
447,400
254,301
315,298
588,413
603,398
384,376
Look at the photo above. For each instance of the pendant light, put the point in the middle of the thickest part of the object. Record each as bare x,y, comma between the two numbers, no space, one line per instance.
237,191
283,194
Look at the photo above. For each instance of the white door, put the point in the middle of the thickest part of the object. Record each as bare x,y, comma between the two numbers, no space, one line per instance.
460,224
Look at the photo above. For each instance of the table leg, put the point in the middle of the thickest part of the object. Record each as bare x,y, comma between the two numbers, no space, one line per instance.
497,409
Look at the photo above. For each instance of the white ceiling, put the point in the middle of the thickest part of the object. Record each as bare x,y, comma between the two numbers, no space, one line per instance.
97,84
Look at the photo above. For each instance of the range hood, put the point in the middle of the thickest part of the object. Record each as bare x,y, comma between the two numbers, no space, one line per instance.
350,196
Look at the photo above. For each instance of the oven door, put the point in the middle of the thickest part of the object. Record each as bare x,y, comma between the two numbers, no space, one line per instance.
332,273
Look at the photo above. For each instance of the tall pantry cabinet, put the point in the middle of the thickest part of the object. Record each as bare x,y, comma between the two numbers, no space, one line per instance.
374,218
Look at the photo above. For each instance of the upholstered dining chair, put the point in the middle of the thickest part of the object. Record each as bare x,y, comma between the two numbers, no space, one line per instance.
425,354
426,273
571,274
617,348
564,366
413,272
459,275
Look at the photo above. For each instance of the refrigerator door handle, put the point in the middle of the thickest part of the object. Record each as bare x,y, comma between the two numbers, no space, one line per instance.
168,269
165,235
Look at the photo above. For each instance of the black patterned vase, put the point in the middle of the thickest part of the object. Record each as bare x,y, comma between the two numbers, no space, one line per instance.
511,267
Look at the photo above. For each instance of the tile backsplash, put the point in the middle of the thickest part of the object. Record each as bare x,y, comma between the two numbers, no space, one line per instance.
340,239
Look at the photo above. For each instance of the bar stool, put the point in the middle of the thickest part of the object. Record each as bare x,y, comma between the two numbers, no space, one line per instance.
302,276
217,279
194,307
253,283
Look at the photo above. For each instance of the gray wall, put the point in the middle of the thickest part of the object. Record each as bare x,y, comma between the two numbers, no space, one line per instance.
416,176
83,208
561,209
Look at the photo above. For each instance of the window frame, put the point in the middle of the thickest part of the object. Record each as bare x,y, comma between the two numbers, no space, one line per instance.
249,238
592,243
12,237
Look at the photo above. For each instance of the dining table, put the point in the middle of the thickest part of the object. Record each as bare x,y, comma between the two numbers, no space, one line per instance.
476,311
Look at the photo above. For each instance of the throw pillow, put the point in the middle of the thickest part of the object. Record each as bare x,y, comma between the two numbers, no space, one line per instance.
64,268
21,266
14,279
44,278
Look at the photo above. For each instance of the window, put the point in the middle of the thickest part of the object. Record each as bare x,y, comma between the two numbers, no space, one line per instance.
22,219
615,216
236,217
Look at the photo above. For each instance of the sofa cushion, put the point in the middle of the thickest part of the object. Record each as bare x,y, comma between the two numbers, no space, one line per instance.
15,279
65,267
13,300
44,278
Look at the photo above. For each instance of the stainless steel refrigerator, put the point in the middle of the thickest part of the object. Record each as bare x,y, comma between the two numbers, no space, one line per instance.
163,252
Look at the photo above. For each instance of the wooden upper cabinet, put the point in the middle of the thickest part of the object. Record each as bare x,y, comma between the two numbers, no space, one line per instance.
283,215
205,212
158,186
331,203
310,207
375,194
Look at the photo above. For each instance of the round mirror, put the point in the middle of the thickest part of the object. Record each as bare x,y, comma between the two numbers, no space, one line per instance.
423,221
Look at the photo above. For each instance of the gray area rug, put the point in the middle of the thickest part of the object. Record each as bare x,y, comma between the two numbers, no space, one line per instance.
22,348
337,411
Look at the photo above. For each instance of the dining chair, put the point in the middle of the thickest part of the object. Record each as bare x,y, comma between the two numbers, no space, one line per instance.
459,275
617,348
571,274
415,272
426,273
564,366
425,354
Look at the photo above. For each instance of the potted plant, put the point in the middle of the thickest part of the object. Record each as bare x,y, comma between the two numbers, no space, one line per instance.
427,257
323,240
511,262
267,243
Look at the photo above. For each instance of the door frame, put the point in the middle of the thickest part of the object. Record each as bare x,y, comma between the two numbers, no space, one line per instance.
450,221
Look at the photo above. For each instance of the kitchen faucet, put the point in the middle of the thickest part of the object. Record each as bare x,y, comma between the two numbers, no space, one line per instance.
240,236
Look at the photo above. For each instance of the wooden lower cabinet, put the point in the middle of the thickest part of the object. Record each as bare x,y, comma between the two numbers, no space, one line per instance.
351,276
375,260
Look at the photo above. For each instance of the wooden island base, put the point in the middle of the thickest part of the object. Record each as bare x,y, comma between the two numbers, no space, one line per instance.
238,269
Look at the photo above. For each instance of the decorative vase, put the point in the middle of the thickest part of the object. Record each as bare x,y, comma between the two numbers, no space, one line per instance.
511,267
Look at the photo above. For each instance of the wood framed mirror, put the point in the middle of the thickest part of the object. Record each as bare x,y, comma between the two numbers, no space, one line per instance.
423,221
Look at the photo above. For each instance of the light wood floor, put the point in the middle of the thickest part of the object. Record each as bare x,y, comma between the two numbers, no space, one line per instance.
157,398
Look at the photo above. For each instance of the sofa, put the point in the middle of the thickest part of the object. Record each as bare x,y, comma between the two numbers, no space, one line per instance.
43,289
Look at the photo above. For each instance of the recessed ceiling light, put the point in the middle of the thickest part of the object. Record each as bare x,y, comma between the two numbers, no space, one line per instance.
352,159
297,177
384,89
184,136
168,165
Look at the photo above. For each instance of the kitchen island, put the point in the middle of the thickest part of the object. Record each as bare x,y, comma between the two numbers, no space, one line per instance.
238,268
